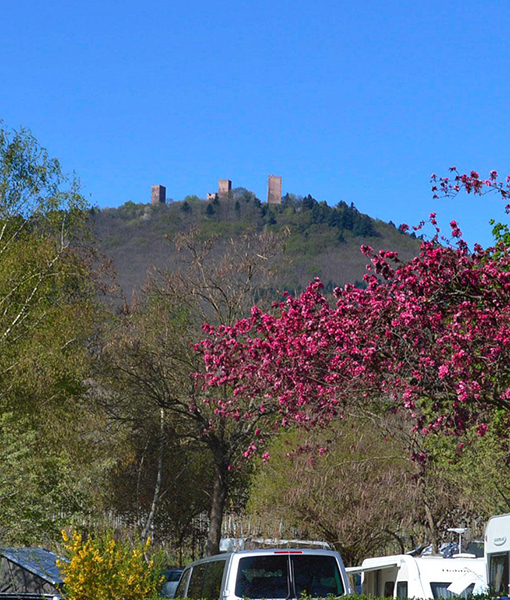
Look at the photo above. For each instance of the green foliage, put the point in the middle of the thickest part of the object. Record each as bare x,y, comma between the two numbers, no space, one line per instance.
500,232
329,237
48,311
244,195
26,494
354,495
42,215
478,466
51,473
130,211
32,185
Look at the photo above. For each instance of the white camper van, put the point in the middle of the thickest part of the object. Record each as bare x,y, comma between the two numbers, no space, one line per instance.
279,573
406,576
497,553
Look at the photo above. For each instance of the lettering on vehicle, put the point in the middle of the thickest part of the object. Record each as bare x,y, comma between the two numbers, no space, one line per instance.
499,541
464,570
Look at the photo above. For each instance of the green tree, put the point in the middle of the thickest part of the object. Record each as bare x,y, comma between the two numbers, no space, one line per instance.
42,263
354,486
358,495
479,466
48,310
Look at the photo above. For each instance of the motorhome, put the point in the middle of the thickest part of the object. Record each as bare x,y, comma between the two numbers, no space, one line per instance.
497,553
406,576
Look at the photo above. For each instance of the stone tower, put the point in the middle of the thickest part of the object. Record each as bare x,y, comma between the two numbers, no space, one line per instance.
224,187
274,189
158,194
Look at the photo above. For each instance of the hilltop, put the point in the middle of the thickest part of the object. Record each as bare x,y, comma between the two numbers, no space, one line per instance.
323,241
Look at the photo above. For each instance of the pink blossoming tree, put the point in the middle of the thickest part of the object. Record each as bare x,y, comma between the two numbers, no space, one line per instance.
431,337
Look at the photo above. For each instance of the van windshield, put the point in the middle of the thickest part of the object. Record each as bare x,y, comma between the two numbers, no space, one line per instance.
268,577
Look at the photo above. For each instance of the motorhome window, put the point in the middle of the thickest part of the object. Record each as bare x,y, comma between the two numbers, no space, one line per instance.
402,589
440,590
180,592
196,582
212,581
263,577
498,573
388,589
317,576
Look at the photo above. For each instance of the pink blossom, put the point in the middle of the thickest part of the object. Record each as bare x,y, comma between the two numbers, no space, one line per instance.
443,371
429,338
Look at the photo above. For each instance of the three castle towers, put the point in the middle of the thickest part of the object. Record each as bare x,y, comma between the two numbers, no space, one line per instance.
274,191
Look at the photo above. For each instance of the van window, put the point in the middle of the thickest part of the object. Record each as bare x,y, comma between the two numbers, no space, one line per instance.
196,582
316,576
180,592
263,577
212,581
498,573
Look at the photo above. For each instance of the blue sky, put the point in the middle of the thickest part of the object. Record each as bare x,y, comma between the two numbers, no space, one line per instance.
351,100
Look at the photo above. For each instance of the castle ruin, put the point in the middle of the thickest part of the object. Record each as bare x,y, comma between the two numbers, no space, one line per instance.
224,188
158,194
274,189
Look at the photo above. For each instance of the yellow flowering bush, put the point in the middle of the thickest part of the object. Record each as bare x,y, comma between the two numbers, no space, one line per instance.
101,568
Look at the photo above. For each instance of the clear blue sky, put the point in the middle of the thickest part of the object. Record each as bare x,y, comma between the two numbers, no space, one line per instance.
349,100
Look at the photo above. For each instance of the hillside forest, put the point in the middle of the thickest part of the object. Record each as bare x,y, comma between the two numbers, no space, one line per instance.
112,417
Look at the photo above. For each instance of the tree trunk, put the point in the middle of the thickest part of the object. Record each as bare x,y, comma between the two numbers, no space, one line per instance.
432,528
219,496
157,488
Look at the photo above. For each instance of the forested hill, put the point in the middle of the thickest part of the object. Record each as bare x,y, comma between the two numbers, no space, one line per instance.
322,241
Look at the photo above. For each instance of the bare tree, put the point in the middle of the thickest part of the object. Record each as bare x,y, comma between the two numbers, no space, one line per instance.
149,360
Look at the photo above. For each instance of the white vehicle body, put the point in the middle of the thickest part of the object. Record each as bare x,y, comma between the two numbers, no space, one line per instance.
271,574
497,553
405,576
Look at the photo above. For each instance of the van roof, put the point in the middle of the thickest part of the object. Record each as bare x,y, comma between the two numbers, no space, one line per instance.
395,560
268,552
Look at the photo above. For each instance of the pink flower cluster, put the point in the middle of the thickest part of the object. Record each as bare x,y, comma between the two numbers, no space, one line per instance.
470,183
431,337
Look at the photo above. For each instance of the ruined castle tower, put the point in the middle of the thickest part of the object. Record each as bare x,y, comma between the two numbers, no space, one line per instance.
224,187
274,189
158,194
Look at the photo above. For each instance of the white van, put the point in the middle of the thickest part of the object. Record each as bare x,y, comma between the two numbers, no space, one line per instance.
497,551
406,576
269,574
